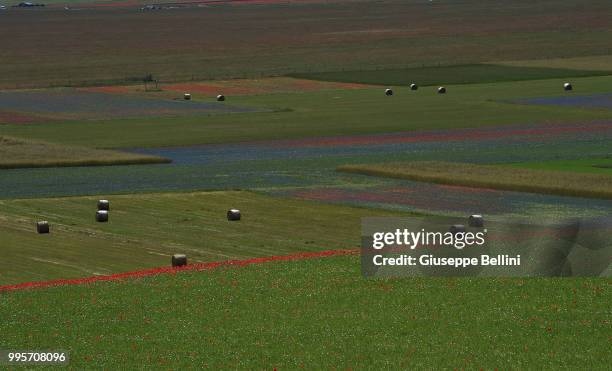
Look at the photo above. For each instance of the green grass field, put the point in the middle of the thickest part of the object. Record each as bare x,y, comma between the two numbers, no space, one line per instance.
535,180
145,230
334,112
19,153
316,314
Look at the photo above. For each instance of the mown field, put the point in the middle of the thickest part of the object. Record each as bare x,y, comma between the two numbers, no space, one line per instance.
334,113
316,314
19,153
125,44
565,183
144,231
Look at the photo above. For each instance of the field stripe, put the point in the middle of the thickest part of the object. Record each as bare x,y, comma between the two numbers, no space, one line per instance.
166,270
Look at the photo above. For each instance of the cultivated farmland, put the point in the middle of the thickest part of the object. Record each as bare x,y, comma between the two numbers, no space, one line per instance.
306,92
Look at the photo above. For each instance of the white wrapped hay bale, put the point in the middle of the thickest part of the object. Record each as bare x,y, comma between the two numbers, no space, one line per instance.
179,260
476,221
441,90
42,227
103,205
233,215
220,98
102,216
187,96
388,92
567,86
414,87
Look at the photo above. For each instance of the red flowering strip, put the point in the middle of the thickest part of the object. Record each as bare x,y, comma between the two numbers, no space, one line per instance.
165,270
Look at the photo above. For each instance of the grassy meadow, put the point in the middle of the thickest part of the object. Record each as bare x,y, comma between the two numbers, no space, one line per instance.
564,183
334,113
316,314
145,230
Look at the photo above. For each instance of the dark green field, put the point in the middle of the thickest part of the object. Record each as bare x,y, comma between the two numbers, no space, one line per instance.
595,166
451,75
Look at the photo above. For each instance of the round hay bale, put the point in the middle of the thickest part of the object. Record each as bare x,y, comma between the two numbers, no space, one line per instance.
179,260
42,227
103,205
388,92
220,98
233,215
476,221
441,90
102,216
457,228
187,96
568,87
414,87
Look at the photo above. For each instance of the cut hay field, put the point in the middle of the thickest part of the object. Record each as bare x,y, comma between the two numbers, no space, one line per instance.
335,113
124,44
144,231
20,153
565,183
316,314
